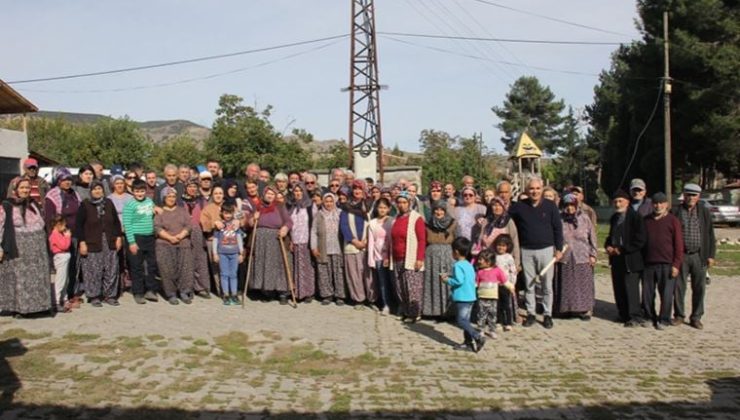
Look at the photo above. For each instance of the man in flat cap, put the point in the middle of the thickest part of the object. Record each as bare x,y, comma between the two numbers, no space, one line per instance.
699,252
640,202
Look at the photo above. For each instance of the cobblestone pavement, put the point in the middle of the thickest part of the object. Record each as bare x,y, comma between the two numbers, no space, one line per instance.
208,361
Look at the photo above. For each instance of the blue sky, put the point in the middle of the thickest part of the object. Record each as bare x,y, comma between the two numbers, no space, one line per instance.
426,88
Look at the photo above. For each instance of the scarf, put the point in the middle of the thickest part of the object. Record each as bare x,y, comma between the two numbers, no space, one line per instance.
356,208
264,207
439,225
496,222
99,204
570,218
305,201
227,186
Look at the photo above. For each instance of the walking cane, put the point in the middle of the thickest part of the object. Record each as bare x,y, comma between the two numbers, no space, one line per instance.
249,263
547,268
288,272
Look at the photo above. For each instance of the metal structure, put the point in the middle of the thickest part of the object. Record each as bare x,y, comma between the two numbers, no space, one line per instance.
364,87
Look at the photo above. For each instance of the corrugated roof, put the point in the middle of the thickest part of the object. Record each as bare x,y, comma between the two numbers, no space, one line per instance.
12,102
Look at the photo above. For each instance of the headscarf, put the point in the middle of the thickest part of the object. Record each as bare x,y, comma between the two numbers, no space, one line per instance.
496,222
358,207
440,225
264,207
305,200
570,218
323,210
83,169
227,184
23,203
99,203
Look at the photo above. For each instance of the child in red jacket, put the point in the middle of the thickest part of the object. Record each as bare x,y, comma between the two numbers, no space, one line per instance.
60,241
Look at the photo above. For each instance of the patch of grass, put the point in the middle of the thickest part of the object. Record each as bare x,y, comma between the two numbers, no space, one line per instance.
92,358
234,345
22,334
200,342
197,351
340,403
155,337
80,337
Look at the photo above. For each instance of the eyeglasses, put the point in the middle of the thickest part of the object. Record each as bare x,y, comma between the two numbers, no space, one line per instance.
131,178
310,183
468,195
205,179
333,185
436,190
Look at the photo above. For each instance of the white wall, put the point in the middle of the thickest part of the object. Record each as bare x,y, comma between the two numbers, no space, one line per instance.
13,144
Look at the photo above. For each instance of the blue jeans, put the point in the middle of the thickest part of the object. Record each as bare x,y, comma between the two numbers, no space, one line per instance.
228,265
383,279
463,320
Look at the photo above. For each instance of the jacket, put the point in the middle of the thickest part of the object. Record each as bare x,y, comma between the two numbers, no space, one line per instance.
90,227
708,240
633,240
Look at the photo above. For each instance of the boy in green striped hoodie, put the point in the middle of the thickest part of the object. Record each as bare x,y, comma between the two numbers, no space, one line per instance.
138,224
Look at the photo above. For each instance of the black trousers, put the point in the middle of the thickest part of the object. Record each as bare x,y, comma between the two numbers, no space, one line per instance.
658,276
626,290
697,269
142,277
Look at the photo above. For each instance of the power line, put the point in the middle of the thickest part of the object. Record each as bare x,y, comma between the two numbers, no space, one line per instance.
190,80
476,57
511,40
179,62
552,19
639,136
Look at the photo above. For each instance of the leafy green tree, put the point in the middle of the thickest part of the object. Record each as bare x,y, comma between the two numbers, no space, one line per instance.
180,150
242,134
337,157
532,107
705,68
440,161
118,141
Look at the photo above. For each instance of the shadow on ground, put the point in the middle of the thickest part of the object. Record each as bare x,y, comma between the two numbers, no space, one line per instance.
725,398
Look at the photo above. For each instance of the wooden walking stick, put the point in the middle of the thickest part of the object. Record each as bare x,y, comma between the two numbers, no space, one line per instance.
288,272
249,263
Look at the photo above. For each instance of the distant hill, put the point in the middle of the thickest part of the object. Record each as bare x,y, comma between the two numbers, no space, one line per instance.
158,131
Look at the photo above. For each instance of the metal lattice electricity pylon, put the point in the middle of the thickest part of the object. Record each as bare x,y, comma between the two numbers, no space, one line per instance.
364,87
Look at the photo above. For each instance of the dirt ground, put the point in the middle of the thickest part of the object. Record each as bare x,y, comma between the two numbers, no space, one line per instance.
208,361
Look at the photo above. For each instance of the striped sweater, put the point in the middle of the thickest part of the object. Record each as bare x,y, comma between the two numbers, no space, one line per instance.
138,218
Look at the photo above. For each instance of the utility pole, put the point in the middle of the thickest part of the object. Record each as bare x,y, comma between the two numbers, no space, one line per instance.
667,111
365,143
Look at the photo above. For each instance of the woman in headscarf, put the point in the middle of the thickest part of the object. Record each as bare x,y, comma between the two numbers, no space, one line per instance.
574,289
173,249
194,204
440,234
210,221
271,222
326,247
100,238
467,212
300,234
231,197
24,261
353,227
120,196
85,177
63,200
435,195
378,251
497,221
408,241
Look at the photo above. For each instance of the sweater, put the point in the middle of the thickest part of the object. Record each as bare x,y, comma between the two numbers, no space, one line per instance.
538,226
462,281
90,227
402,238
173,222
59,242
228,241
378,240
138,219
664,241
487,280
351,227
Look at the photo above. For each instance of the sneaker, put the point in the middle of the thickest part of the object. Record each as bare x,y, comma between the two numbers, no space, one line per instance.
96,303
479,343
463,347
173,301
548,322
529,321
139,299
226,300
659,326
112,302
697,324
326,301
235,300
151,296
385,311
630,324
203,294
507,328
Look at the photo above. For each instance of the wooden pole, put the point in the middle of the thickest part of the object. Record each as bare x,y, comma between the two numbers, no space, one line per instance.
251,257
667,112
288,271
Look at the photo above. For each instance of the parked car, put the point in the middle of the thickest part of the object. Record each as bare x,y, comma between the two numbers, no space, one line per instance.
723,212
